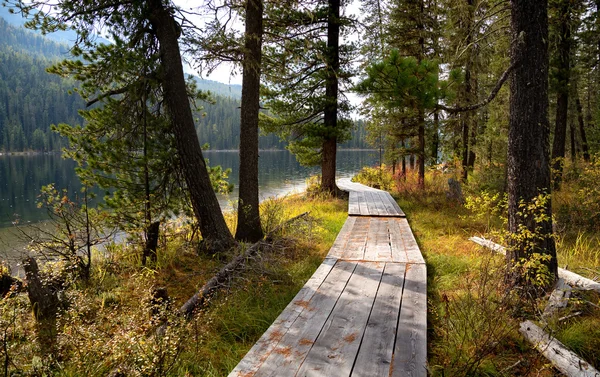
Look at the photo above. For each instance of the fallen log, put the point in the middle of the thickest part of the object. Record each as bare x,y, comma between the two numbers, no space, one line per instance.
558,299
573,279
563,359
228,271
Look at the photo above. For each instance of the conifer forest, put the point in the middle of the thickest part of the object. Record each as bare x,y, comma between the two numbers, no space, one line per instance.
484,119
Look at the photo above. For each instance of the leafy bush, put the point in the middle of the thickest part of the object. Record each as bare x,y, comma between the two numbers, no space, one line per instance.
375,177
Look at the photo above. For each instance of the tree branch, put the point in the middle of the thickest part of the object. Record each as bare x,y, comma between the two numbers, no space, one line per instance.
489,99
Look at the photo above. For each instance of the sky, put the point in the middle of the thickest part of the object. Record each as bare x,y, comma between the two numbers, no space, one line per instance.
224,72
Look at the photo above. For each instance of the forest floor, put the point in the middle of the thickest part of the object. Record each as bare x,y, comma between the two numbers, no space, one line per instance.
107,324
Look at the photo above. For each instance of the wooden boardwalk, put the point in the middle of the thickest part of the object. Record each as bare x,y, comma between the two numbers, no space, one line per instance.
363,312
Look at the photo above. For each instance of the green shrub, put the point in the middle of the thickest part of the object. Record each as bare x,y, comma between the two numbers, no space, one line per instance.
380,178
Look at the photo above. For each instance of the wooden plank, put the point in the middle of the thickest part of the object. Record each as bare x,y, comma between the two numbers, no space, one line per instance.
378,241
376,350
353,207
399,211
355,247
362,203
562,358
373,211
397,242
389,208
339,245
413,253
379,202
410,351
335,350
289,354
269,340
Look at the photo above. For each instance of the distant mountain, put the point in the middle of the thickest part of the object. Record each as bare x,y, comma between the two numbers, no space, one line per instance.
219,89
67,36
31,99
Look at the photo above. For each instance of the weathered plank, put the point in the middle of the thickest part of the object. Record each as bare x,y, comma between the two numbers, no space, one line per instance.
371,207
269,340
387,205
410,351
413,253
362,204
563,359
376,350
399,211
355,247
397,242
294,345
353,206
378,241
380,197
341,241
335,350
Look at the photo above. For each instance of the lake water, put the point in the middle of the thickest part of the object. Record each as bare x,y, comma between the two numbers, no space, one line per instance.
21,178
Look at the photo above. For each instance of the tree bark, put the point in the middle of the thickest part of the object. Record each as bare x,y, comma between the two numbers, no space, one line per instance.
528,138
573,145
328,164
562,95
584,142
249,227
421,154
216,236
465,145
435,144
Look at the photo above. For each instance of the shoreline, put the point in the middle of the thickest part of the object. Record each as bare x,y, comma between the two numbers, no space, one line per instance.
39,153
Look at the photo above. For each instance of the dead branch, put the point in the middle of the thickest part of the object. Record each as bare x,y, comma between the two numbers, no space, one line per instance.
236,265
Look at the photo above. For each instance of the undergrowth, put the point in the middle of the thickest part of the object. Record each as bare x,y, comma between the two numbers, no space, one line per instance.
472,321
108,325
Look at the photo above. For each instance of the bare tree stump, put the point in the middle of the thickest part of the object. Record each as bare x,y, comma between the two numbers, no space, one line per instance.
44,302
454,192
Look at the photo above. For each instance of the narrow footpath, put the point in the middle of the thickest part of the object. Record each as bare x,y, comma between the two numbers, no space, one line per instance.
363,312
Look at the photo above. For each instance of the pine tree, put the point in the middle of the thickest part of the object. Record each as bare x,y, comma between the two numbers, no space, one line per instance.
128,23
528,140
306,73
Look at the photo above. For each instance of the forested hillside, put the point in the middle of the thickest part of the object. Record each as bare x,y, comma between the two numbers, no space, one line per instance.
32,99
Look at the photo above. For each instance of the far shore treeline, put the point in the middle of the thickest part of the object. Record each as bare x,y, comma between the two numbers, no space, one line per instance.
31,100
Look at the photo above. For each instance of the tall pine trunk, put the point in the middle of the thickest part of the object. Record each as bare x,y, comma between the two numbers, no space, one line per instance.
584,142
216,236
249,227
528,138
328,164
562,96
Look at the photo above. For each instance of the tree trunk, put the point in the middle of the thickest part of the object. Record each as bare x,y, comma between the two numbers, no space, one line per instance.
152,234
562,96
249,227
421,154
435,145
465,145
573,146
216,236
403,168
44,302
584,142
528,138
328,164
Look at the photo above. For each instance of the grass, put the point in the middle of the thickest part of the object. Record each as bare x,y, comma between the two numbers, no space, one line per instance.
473,321
472,318
108,326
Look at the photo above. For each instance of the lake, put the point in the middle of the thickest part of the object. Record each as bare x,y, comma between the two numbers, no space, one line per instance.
21,178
